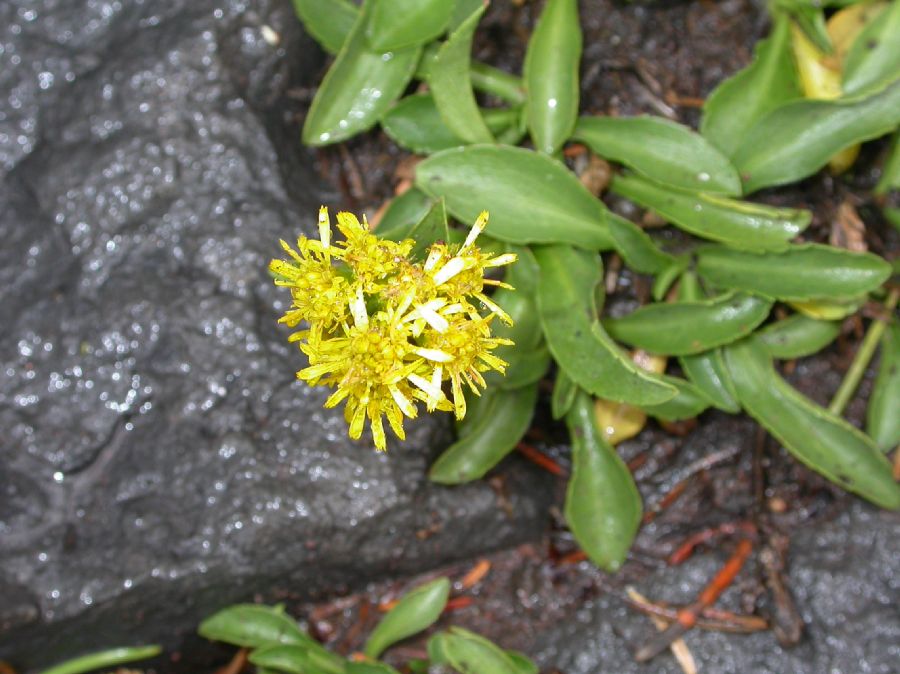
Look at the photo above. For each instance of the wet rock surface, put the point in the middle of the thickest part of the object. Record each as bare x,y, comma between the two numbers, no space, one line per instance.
159,460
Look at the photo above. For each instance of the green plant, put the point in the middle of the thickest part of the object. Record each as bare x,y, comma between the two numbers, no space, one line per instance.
769,125
278,644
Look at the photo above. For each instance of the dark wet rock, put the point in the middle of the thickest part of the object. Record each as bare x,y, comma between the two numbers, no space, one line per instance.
159,460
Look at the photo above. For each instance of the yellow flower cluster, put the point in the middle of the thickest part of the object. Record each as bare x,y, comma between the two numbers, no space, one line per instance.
386,331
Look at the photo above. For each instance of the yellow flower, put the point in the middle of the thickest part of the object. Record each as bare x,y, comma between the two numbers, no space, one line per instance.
386,331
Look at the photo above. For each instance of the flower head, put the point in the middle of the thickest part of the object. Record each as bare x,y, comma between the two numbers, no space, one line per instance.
386,331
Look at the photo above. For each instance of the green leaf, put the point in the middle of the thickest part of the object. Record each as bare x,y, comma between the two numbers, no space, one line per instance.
398,24
252,626
416,124
108,658
797,139
707,370
883,412
497,82
490,436
636,247
358,89
525,368
551,75
295,659
686,328
462,10
523,663
708,373
874,57
740,101
662,150
369,668
817,438
580,346
688,403
890,172
798,336
531,197
665,278
469,653
603,507
451,84
415,612
811,20
403,213
328,21
803,272
564,392
738,223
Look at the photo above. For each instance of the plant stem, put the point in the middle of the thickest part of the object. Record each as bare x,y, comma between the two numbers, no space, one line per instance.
494,81
863,355
115,656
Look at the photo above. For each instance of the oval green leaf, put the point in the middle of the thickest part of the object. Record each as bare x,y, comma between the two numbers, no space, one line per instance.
890,171
358,89
551,75
804,272
708,373
797,139
798,336
398,24
416,124
740,224
451,84
403,213
328,21
531,197
874,57
564,392
883,412
566,305
742,100
603,506
102,659
817,438
662,150
491,435
252,626
636,247
295,659
469,653
685,328
688,403
416,611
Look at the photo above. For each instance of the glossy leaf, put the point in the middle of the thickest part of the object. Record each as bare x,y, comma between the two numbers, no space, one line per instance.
102,659
358,89
874,58
603,507
883,412
564,392
803,272
890,172
497,82
489,438
451,85
688,403
295,659
665,278
740,224
252,626
403,213
797,139
662,150
798,336
685,328
398,24
740,101
526,368
708,373
551,75
328,21
576,339
416,124
531,197
469,653
415,612
817,438
707,370
635,246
